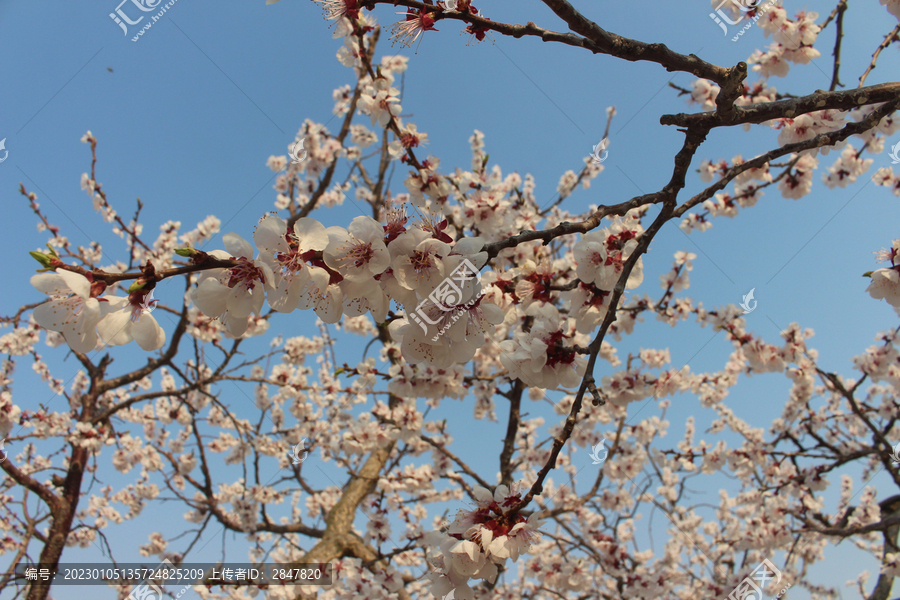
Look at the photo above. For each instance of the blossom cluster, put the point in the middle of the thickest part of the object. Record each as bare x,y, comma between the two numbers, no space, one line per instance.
350,272
479,540
793,41
84,319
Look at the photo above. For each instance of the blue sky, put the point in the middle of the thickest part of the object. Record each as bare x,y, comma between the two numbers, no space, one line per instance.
187,116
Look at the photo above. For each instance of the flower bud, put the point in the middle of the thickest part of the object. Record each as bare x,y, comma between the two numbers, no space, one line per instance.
137,285
45,260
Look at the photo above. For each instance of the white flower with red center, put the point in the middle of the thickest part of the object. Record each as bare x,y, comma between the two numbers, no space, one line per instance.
829,120
381,106
128,319
443,334
418,260
620,244
478,540
760,91
519,540
439,228
393,213
705,92
798,183
408,31
474,320
540,357
233,294
795,130
601,258
358,253
708,169
589,306
805,30
534,286
428,183
322,294
394,290
801,55
772,19
590,257
409,138
769,63
360,297
886,282
336,9
757,174
885,177
286,254
847,168
416,344
71,310
351,54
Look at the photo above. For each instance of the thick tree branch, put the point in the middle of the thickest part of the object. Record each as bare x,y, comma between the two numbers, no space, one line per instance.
819,141
761,112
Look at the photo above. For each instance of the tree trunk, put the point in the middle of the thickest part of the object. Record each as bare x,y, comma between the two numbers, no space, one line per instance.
63,513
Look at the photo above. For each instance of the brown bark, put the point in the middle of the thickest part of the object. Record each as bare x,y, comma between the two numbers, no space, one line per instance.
63,510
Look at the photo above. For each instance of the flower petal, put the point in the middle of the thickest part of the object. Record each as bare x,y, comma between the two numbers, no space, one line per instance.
269,234
286,294
51,284
381,258
237,246
53,315
78,283
366,228
210,297
311,234
239,302
83,342
330,308
236,326
147,333
115,328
